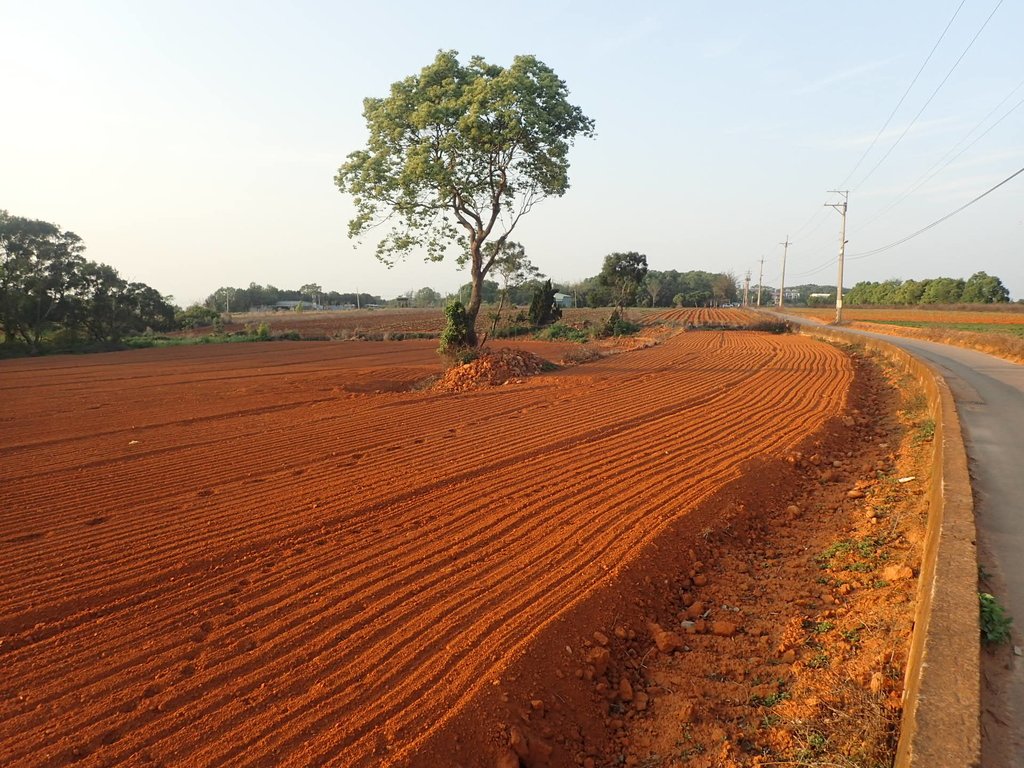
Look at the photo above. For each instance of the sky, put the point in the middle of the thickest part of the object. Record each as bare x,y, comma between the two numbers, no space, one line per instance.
194,145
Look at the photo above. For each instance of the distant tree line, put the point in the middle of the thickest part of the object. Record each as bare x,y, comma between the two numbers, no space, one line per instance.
257,296
48,288
624,280
979,288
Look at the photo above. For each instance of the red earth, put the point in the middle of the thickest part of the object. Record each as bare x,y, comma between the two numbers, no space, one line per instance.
295,554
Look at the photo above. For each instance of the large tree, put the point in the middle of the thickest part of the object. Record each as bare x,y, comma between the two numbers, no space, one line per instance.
46,285
623,274
39,272
457,155
983,288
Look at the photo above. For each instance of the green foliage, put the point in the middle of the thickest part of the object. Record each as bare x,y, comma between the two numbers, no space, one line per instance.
454,343
856,555
426,297
623,274
995,623
667,288
819,660
617,325
257,297
563,332
262,332
47,287
770,700
542,310
925,432
943,290
980,288
197,316
457,154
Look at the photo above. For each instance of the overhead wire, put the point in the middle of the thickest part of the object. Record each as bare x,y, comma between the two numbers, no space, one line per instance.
865,254
943,162
904,96
818,216
930,98
928,174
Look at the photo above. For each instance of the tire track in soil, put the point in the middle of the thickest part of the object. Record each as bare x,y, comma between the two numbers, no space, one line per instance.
340,611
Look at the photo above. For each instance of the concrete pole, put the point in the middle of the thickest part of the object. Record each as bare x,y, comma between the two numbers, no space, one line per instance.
841,207
760,279
782,286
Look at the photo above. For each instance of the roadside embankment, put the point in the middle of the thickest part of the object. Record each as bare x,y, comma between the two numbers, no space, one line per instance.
940,725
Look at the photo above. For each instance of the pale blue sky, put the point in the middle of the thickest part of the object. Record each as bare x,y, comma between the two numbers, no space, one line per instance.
194,144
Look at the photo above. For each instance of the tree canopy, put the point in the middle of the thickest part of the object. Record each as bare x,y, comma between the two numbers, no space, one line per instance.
979,288
47,285
623,274
457,154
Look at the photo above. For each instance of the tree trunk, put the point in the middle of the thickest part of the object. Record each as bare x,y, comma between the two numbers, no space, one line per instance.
476,294
497,317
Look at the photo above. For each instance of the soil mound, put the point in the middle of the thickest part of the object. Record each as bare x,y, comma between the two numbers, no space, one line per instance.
491,369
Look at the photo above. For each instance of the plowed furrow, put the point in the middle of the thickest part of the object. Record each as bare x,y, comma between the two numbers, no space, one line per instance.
362,600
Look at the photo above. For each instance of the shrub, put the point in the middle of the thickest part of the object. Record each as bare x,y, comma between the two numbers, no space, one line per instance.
542,306
262,332
563,331
617,325
455,336
773,326
197,316
995,624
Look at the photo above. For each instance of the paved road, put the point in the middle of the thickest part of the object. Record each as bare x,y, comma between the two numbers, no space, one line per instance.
989,395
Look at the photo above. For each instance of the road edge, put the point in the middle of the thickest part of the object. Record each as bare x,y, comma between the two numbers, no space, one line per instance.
941,723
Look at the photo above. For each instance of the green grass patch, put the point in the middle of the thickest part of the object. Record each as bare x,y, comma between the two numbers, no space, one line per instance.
1011,329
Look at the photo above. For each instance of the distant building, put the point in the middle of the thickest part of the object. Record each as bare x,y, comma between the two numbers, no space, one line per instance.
283,306
563,300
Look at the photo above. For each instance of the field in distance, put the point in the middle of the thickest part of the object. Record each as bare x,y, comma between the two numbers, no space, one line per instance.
995,329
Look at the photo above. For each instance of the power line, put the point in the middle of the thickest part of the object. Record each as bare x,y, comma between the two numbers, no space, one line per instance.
865,254
904,96
934,93
823,265
936,168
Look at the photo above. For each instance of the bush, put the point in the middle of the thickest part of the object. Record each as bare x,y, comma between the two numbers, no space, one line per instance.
563,331
995,624
455,336
197,316
617,325
542,306
262,332
773,326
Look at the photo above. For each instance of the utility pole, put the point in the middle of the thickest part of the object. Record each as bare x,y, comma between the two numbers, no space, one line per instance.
760,278
746,290
782,286
841,207
357,298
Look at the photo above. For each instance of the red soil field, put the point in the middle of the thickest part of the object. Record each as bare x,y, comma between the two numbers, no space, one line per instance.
703,316
277,554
